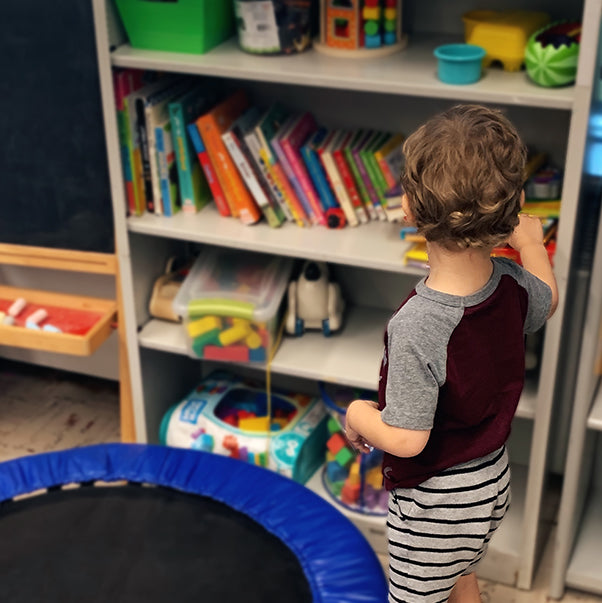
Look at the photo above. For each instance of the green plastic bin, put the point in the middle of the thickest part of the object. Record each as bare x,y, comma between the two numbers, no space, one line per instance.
194,26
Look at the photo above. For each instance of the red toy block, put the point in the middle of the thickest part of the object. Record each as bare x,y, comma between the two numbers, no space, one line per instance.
336,443
232,353
350,493
230,442
231,420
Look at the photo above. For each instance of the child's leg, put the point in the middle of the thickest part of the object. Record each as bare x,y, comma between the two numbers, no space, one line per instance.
466,590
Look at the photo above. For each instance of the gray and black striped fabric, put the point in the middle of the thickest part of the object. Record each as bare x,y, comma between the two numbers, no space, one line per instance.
439,530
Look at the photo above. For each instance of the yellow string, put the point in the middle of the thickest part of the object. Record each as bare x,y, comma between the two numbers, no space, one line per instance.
268,381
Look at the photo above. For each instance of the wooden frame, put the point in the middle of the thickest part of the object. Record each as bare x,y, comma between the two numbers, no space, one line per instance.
75,261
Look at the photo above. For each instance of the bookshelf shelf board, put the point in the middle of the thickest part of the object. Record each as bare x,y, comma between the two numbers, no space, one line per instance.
584,569
411,72
351,357
375,245
594,420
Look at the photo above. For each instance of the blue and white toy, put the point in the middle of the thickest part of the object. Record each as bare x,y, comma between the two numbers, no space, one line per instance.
233,417
314,302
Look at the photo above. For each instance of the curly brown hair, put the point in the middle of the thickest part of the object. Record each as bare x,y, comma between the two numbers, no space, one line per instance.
464,174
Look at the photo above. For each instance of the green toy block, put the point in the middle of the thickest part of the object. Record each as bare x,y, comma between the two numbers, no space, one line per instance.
208,338
336,488
261,459
344,457
333,426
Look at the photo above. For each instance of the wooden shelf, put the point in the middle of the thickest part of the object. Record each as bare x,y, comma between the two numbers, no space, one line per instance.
584,568
376,245
63,343
351,357
411,72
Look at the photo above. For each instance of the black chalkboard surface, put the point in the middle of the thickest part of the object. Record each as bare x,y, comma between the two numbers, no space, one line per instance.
54,183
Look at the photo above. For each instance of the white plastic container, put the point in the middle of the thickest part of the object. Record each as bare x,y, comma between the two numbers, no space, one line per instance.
230,304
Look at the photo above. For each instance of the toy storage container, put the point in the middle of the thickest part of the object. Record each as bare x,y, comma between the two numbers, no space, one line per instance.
233,417
273,27
194,26
354,480
230,304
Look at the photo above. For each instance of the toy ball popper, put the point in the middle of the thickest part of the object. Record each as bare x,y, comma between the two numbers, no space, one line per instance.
552,54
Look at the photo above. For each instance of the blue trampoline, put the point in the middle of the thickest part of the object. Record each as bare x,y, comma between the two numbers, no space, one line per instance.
182,525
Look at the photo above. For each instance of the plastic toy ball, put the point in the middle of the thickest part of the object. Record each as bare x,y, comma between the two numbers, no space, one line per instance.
552,54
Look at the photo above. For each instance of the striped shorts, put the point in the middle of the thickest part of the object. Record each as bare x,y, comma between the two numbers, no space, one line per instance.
439,530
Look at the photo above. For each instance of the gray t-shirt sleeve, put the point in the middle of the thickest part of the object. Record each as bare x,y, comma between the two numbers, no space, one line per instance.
540,294
417,357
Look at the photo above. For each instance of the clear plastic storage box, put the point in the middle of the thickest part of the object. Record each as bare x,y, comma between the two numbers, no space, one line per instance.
230,304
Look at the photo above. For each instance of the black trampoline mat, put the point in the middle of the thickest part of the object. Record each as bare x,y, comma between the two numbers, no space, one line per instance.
140,544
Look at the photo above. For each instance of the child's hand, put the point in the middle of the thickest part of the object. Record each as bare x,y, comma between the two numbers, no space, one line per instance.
355,439
528,232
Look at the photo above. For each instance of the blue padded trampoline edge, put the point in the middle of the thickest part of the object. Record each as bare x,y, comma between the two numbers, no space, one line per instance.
260,494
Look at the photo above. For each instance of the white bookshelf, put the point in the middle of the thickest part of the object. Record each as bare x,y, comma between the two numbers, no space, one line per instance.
578,544
594,421
403,88
412,72
376,245
350,358
584,569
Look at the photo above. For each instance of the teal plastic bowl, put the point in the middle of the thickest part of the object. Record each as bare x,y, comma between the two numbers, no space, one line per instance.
459,63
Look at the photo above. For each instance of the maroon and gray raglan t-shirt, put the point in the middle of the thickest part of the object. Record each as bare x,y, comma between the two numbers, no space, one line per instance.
456,366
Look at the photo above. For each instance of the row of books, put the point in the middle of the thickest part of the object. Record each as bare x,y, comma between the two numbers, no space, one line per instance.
182,147
542,188
416,255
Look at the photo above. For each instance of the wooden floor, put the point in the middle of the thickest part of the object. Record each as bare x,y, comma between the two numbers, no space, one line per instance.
44,409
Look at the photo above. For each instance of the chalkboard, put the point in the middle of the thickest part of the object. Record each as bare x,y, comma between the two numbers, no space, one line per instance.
54,183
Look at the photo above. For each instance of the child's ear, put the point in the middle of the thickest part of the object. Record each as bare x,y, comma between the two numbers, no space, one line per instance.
409,216
522,198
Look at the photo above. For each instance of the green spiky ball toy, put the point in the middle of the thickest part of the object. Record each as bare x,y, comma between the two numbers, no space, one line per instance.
552,53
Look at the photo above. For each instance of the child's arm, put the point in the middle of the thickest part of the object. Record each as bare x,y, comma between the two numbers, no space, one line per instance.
527,239
365,426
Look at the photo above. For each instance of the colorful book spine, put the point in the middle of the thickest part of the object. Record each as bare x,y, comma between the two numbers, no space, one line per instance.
357,177
291,144
374,169
168,180
292,179
155,112
235,148
142,132
254,147
361,168
369,163
265,130
316,170
345,173
287,191
211,126
390,160
203,157
135,104
194,188
326,156
122,85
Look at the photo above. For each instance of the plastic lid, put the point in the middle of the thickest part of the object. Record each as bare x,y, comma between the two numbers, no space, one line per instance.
228,282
